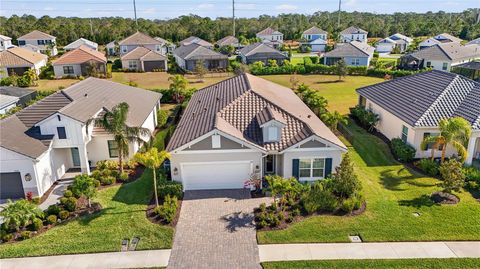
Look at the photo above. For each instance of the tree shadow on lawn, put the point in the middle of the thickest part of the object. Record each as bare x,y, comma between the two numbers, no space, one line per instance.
138,192
392,179
329,81
419,202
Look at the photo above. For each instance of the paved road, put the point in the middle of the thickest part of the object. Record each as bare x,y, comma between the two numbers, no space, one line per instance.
216,230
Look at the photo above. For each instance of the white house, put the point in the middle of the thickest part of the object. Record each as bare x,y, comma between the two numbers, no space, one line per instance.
112,48
139,39
18,60
439,39
271,37
411,107
79,62
45,42
242,126
81,42
46,139
353,34
5,42
315,38
166,46
7,102
395,41
354,53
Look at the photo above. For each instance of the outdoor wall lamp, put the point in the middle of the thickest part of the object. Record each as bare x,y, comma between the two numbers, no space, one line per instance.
28,177
175,171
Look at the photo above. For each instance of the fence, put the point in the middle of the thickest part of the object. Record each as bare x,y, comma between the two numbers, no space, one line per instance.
346,133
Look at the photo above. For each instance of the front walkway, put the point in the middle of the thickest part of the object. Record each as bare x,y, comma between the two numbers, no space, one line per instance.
388,250
134,259
216,230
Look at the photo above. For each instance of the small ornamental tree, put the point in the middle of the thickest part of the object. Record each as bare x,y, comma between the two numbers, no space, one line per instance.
332,119
200,69
453,176
178,85
345,182
84,185
341,69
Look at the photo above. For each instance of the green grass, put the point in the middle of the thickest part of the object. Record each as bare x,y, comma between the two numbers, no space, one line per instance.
377,264
340,94
393,194
122,216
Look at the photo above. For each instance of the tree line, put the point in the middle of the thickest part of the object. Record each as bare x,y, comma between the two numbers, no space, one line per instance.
103,30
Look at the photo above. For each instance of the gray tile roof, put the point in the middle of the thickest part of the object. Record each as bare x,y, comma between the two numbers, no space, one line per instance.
475,65
314,31
195,40
233,106
228,40
43,108
474,42
260,48
197,52
423,99
353,30
448,52
139,38
352,49
142,53
15,91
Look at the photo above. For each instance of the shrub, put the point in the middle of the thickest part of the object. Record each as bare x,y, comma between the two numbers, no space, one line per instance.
25,235
169,188
53,210
70,204
7,237
274,221
428,166
366,118
63,200
289,219
97,183
18,214
295,212
123,177
67,194
344,181
472,174
63,215
168,210
262,223
52,219
131,164
162,117
37,224
108,180
402,151
36,200
280,216
318,198
262,207
347,205
453,176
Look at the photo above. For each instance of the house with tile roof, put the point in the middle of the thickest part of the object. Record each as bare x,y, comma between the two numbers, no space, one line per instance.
439,39
82,61
17,60
228,41
441,56
196,40
139,39
166,46
81,42
315,38
58,133
353,33
5,42
187,56
260,52
243,126
45,42
271,37
145,60
354,53
411,107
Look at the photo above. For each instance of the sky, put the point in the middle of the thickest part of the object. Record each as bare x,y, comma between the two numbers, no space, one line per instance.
162,9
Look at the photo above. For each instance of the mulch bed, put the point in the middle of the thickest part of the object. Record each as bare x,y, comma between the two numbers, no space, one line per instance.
154,218
444,198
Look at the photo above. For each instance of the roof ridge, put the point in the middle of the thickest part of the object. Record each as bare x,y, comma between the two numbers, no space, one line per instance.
442,50
361,50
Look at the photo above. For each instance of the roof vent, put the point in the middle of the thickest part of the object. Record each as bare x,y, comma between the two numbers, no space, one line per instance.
193,114
199,101
309,116
205,109
86,95
218,98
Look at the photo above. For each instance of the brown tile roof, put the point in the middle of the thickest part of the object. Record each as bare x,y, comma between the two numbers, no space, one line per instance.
268,114
139,38
142,53
268,31
80,55
35,34
20,57
233,106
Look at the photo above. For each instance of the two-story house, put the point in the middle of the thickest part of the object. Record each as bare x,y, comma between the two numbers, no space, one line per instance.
5,42
46,43
439,39
353,34
41,142
270,37
315,38
139,39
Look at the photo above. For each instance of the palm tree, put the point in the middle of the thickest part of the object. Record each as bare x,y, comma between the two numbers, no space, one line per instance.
454,131
332,119
114,122
178,85
152,159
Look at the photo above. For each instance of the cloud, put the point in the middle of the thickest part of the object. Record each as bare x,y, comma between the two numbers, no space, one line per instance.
206,6
286,7
48,8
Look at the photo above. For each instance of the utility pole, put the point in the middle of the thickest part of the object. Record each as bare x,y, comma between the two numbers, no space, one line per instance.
91,30
135,11
233,16
339,10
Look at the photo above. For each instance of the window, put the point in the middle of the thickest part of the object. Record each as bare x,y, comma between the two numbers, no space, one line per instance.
270,164
124,49
445,66
21,42
132,65
272,133
430,145
40,42
312,168
355,61
216,143
362,101
157,47
112,148
61,133
68,70
404,133
429,64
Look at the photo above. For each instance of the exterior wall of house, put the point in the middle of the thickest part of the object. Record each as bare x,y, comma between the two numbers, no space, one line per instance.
289,156
318,47
180,62
73,129
353,37
43,48
13,162
264,57
313,37
5,44
278,37
384,47
362,61
126,65
59,72
97,148
190,64
124,49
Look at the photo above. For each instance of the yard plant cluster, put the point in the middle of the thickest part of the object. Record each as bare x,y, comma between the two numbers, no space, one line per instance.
107,172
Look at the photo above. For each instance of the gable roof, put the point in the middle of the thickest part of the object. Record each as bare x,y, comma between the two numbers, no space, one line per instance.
448,37
233,106
447,52
269,31
35,34
353,30
474,42
142,53
139,38
195,51
423,99
228,40
80,55
400,36
79,42
353,49
6,100
195,40
16,91
163,41
19,57
314,30
260,48
5,38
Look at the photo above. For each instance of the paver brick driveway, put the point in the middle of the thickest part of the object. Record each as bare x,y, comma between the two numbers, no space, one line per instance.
216,230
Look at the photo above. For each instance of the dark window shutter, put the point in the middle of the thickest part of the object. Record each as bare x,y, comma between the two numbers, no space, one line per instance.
328,167
295,168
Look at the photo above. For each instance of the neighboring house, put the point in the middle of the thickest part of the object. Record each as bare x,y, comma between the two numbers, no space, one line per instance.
260,52
271,37
24,95
353,34
139,39
5,42
439,39
143,59
470,70
18,60
315,38
7,102
411,107
354,53
396,41
474,42
81,42
112,48
166,47
80,62
56,134
228,41
440,57
31,47
243,126
196,40
187,57
45,42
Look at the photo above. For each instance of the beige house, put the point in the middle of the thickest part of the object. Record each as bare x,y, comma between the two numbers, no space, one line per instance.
411,107
80,62
145,60
139,39
18,60
44,42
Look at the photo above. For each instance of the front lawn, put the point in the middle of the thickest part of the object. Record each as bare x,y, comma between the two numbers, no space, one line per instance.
122,216
340,94
377,264
393,194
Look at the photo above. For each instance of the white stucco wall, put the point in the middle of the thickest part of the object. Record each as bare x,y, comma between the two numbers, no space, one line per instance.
58,70
288,157
352,37
13,162
74,130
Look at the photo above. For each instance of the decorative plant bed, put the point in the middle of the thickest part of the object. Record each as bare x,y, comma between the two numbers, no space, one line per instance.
153,217
444,198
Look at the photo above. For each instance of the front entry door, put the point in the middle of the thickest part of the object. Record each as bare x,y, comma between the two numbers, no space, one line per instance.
75,157
269,165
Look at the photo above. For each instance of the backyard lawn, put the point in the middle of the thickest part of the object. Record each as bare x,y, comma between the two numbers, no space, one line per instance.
393,194
377,264
340,94
122,216
53,84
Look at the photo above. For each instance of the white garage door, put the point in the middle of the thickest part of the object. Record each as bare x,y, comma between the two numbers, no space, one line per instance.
215,175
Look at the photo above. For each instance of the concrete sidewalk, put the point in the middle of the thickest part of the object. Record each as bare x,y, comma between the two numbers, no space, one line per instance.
133,259
389,250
